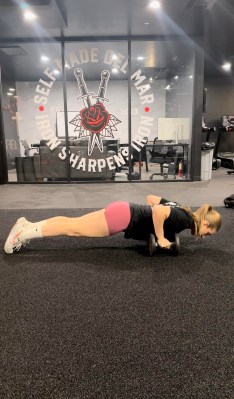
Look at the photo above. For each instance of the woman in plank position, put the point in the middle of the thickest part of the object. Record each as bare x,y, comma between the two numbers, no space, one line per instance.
161,217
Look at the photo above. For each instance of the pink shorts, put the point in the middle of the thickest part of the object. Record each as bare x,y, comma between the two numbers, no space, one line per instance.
117,216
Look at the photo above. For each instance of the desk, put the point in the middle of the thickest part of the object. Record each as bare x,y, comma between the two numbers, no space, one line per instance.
168,153
180,153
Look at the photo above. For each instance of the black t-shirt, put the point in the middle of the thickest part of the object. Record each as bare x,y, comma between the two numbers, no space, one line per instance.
141,223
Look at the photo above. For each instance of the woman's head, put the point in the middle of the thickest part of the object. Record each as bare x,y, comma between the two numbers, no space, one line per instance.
207,221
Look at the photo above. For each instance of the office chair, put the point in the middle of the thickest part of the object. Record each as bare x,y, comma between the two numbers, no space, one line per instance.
27,148
166,157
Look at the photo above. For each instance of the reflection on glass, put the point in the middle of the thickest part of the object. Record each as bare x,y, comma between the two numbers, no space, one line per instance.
30,112
164,125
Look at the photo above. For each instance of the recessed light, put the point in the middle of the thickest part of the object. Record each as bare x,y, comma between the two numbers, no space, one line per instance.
44,58
140,58
115,70
11,89
114,57
155,4
10,94
227,66
168,87
30,16
146,23
56,72
190,76
150,79
176,77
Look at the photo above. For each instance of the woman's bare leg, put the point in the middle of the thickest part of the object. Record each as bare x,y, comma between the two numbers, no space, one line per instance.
90,225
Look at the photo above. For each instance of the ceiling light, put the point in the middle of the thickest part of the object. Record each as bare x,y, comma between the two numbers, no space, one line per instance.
140,58
146,23
227,66
114,57
10,94
11,89
30,16
151,79
155,4
176,77
56,72
190,76
44,58
115,70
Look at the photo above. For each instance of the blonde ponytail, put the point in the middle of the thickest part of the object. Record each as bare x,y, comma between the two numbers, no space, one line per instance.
205,212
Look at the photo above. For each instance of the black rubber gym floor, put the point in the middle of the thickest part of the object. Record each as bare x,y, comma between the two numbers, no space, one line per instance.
99,319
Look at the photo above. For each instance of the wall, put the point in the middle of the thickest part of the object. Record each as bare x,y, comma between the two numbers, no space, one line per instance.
220,101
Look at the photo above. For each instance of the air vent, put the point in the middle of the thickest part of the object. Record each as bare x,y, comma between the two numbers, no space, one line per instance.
207,4
13,50
32,3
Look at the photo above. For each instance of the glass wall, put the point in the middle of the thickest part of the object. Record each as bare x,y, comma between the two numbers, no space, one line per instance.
97,110
32,95
118,121
162,78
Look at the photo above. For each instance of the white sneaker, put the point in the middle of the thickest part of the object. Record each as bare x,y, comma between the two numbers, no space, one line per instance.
13,242
22,221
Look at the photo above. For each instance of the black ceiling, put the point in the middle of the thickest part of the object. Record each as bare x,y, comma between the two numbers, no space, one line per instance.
91,19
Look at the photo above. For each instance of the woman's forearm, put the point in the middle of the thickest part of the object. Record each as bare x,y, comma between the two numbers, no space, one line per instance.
160,214
158,227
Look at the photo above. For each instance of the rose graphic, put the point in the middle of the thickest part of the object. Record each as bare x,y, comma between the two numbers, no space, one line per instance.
94,118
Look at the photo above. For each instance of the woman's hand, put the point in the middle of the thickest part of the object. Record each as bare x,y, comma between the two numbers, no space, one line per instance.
164,243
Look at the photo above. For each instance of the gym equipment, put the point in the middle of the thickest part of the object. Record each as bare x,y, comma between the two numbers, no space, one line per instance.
224,147
155,248
208,130
227,121
207,145
229,201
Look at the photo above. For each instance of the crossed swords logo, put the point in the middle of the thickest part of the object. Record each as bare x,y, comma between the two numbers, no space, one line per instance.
94,121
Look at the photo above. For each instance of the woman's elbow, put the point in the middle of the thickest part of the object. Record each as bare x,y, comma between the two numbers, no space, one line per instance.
148,199
153,200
